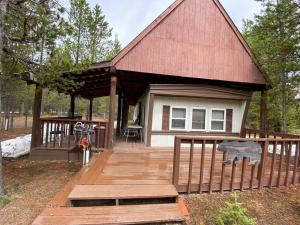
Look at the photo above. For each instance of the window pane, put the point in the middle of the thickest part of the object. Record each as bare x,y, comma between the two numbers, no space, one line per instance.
218,115
178,124
179,113
217,125
198,122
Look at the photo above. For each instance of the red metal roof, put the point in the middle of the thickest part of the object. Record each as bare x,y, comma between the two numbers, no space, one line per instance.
195,39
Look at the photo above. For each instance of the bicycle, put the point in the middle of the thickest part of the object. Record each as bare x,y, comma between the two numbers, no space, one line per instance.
84,142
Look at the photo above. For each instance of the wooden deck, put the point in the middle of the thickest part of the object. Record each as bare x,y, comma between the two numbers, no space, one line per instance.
133,171
135,164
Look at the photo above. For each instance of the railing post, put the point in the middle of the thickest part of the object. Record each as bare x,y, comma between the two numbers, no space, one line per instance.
261,168
176,162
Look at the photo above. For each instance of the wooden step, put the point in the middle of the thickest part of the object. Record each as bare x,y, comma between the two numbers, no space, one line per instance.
92,195
131,214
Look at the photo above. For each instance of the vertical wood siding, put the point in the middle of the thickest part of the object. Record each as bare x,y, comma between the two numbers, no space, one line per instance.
194,40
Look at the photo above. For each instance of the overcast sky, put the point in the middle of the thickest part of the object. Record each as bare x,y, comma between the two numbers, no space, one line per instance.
129,17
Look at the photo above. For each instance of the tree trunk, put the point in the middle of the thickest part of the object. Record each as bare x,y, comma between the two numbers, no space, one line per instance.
284,103
1,173
2,12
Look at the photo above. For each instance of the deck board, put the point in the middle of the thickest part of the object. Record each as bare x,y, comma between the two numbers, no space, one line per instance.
96,192
135,214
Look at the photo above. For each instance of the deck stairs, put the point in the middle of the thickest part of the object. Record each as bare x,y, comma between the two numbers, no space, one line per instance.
116,204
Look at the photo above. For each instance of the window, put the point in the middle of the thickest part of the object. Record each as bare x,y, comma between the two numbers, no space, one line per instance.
198,119
178,118
217,120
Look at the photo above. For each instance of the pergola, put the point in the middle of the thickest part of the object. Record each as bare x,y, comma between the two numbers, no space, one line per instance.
102,79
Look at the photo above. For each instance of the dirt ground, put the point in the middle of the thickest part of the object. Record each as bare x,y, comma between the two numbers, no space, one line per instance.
269,207
30,186
16,132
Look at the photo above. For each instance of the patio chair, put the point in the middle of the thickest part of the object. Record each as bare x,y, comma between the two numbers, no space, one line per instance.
130,133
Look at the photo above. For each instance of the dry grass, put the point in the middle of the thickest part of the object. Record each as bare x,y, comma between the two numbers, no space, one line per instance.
269,207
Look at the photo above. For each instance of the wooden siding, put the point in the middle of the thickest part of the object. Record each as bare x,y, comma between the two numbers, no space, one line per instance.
166,117
195,39
229,121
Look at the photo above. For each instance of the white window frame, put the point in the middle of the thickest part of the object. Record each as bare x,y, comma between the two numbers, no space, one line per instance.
171,117
211,119
191,120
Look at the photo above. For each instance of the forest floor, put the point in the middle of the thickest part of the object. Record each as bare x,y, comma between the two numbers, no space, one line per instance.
13,133
30,186
270,207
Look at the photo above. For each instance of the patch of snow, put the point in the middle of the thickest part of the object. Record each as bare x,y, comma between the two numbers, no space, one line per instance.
16,147
278,150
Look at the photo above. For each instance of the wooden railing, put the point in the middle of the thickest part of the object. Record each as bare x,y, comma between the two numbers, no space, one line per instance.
198,165
58,133
253,133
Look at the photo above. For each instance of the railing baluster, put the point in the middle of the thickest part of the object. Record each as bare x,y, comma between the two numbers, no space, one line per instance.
232,175
190,178
202,166
280,163
288,164
252,177
272,164
47,133
62,132
223,173
54,137
243,173
98,145
261,170
51,129
296,162
42,133
69,136
212,166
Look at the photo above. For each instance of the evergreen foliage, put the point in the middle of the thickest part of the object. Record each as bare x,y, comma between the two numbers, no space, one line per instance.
234,214
274,36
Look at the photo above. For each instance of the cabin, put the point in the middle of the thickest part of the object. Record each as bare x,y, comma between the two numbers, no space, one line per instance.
190,72
190,76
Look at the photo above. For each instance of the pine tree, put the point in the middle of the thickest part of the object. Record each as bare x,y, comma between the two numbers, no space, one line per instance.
99,34
274,36
115,48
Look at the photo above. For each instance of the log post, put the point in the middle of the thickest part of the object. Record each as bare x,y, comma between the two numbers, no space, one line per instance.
125,113
36,123
72,106
120,101
91,110
72,112
263,113
111,118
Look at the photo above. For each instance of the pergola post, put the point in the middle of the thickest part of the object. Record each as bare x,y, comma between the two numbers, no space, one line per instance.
263,112
72,106
91,110
120,103
36,123
111,118
125,109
